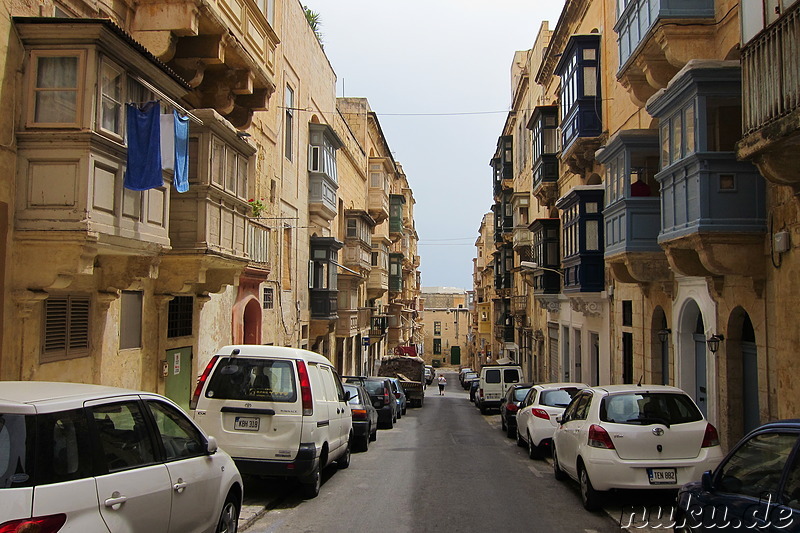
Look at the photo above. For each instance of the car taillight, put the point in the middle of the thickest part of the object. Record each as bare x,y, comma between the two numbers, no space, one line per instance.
201,382
511,407
540,413
386,396
480,392
711,438
359,414
38,524
305,388
598,438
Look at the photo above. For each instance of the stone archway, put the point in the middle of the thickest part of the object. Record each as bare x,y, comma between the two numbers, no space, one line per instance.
251,322
660,363
741,376
692,354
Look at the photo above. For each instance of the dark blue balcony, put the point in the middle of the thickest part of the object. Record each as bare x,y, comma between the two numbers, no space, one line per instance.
545,253
582,239
632,215
581,99
639,17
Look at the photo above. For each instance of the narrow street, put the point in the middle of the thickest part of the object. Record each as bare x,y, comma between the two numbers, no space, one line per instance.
444,467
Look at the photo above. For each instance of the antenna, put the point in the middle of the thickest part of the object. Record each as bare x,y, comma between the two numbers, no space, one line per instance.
640,381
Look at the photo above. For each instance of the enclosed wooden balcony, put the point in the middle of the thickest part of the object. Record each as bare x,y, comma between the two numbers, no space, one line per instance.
657,38
771,97
583,242
224,48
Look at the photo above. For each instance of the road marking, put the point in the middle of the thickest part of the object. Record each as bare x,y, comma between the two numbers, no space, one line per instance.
535,471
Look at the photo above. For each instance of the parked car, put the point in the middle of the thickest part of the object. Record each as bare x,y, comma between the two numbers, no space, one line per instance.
463,371
495,381
473,391
95,458
537,414
467,378
430,373
640,437
509,406
756,484
383,399
278,411
400,395
365,416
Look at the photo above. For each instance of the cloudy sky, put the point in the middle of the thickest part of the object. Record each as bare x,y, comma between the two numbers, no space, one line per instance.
437,73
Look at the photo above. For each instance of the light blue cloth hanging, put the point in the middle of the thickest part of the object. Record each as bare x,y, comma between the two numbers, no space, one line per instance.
144,147
181,179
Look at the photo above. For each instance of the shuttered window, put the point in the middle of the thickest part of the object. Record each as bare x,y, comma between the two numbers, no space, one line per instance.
66,328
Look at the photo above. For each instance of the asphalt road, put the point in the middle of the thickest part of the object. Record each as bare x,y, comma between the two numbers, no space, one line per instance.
444,467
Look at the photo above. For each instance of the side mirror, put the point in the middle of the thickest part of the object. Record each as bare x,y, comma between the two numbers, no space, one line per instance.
347,396
707,481
560,419
211,445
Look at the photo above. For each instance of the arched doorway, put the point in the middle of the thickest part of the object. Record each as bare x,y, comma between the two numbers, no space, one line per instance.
251,322
742,375
659,351
693,354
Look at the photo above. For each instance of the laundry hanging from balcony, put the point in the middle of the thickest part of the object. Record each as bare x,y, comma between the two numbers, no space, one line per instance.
156,142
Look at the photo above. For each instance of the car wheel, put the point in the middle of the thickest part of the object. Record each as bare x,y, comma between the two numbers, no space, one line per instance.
503,423
483,409
344,461
533,450
520,440
589,496
374,435
312,484
559,474
390,423
229,517
511,432
405,409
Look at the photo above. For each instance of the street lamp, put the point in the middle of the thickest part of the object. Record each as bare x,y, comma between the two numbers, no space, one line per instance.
530,265
663,334
713,341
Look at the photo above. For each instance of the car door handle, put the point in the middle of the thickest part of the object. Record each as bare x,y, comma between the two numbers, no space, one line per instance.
115,501
180,486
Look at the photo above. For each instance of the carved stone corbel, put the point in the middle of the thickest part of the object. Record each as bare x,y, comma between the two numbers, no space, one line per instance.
26,300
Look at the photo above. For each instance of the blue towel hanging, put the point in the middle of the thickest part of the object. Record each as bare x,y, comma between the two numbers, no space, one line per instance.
144,147
181,153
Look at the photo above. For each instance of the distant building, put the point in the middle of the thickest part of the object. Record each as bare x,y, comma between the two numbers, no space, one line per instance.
447,326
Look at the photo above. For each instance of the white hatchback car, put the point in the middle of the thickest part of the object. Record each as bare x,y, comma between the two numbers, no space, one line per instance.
89,458
536,417
632,437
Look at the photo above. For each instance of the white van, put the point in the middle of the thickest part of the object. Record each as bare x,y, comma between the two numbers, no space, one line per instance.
494,382
277,411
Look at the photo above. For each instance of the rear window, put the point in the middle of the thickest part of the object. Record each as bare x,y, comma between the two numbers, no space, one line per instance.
355,396
374,387
558,398
492,376
511,375
242,378
649,408
520,393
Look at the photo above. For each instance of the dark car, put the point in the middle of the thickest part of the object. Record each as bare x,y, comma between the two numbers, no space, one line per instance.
473,390
509,406
400,395
467,378
382,395
755,485
365,416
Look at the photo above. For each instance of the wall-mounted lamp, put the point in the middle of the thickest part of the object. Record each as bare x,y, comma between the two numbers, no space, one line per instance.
713,342
663,334
530,265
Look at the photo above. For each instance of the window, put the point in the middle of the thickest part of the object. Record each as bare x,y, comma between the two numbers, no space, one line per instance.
437,346
269,296
57,87
437,328
511,375
635,408
627,357
130,320
755,468
179,317
111,83
352,228
66,327
286,259
627,313
248,379
63,447
492,376
124,438
289,122
179,436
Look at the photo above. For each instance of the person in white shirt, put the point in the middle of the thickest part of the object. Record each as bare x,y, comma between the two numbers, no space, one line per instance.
442,383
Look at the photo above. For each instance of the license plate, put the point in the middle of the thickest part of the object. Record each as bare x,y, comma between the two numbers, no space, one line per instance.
247,423
662,476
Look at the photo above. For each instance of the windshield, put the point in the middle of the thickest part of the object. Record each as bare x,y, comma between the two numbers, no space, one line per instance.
558,397
242,378
649,408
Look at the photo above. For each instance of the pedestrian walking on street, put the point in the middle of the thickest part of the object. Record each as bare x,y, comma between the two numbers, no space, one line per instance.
442,383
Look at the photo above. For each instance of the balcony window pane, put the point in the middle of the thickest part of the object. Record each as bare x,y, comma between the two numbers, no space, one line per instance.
592,235
676,137
665,145
56,91
590,81
111,99
688,120
591,207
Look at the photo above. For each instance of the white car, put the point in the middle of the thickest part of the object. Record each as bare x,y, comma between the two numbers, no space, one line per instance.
632,437
536,417
77,457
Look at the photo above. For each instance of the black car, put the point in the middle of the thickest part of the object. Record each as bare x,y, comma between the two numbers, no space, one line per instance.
473,390
756,485
509,406
381,392
467,379
365,416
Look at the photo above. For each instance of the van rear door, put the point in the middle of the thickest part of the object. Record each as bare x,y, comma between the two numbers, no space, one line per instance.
253,407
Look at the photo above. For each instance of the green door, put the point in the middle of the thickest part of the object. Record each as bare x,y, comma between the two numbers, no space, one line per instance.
455,355
179,376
